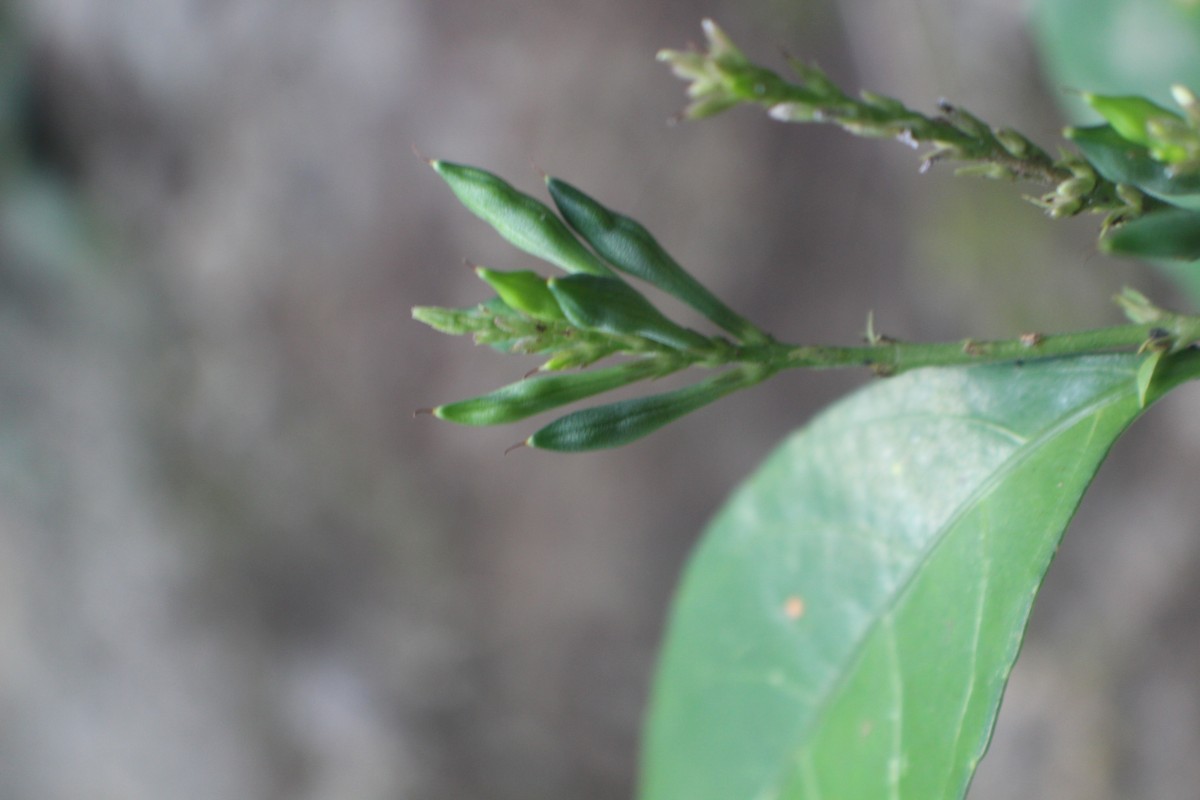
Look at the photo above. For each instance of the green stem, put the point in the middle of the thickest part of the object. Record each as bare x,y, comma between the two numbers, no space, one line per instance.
888,357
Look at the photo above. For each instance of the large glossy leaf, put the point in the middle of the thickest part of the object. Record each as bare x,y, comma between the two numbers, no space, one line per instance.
846,627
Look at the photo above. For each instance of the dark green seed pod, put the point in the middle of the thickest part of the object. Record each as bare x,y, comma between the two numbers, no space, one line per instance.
524,291
613,306
622,422
627,245
523,220
535,395
1171,233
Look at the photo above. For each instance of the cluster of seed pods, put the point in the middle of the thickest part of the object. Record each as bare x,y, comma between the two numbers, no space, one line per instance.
589,313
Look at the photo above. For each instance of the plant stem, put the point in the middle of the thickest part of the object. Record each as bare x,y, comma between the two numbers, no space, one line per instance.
722,77
889,357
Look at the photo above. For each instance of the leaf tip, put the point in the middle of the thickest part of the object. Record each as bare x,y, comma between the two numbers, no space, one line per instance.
417,152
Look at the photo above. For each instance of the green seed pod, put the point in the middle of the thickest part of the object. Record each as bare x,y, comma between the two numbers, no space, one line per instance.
524,221
1128,114
1170,233
622,422
535,395
613,306
628,246
524,291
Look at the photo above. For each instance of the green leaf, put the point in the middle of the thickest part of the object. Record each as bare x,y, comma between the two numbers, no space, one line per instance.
846,627
1122,161
1171,233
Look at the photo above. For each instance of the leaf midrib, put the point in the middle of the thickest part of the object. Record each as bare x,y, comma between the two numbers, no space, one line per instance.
1019,456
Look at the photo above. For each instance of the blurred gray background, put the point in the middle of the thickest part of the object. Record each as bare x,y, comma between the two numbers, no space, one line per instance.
233,565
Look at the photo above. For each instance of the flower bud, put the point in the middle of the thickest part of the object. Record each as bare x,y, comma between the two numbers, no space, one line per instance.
1075,188
524,291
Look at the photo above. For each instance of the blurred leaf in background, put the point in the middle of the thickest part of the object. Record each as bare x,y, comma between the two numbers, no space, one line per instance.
1121,47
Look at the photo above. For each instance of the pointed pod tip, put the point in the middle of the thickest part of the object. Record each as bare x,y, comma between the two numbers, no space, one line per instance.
518,445
420,411
417,152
